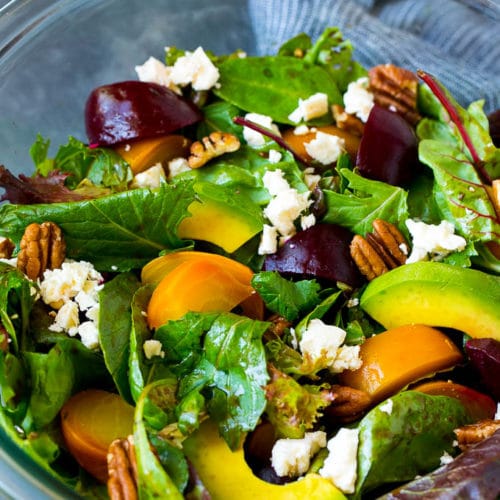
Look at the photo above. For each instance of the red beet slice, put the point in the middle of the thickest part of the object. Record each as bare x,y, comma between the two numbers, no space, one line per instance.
321,251
484,355
388,150
129,110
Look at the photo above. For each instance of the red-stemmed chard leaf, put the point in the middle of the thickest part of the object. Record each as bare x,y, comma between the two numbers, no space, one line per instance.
38,189
272,135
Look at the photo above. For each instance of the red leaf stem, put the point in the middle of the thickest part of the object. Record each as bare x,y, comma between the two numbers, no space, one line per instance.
455,118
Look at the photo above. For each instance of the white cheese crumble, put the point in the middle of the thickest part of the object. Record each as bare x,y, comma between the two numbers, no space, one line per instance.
195,68
314,106
497,414
284,208
152,348
268,241
358,100
433,242
177,166
151,178
340,467
322,344
310,178
253,138
155,71
274,156
325,148
73,290
292,457
301,130
445,458
386,406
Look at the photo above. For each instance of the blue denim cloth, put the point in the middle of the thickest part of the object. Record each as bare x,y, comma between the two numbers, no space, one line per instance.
456,41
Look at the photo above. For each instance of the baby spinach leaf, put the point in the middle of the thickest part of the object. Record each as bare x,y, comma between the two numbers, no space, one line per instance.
139,333
14,392
17,295
218,116
363,201
395,446
241,173
473,474
287,298
272,85
332,52
234,359
117,232
296,46
115,323
153,480
458,191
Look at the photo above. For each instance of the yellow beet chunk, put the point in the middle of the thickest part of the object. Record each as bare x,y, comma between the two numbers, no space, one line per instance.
198,285
226,474
145,153
397,357
154,271
90,421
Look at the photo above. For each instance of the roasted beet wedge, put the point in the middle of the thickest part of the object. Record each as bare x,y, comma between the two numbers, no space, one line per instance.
129,110
321,252
388,148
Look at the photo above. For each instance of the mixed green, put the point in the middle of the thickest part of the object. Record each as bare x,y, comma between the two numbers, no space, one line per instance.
242,371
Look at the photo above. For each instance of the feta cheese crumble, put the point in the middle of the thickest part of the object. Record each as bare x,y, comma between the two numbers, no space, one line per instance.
195,68
253,138
155,71
177,166
151,178
358,100
445,458
73,290
292,457
269,240
497,414
314,106
386,406
325,148
274,156
340,466
433,242
322,344
152,348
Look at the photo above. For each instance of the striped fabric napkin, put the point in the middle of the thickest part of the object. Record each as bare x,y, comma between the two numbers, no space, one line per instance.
456,41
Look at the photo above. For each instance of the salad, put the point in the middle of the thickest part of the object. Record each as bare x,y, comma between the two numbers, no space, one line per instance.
258,277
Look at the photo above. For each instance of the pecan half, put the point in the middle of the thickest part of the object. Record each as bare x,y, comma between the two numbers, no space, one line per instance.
6,248
380,251
122,470
395,88
347,122
468,435
348,404
216,144
42,247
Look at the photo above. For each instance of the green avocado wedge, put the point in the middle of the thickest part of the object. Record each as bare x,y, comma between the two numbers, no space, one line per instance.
436,294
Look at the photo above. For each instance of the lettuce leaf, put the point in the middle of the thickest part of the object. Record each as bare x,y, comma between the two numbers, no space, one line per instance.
284,297
364,201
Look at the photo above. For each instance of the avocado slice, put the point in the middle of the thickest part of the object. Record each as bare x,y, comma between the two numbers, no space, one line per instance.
221,217
436,294
226,474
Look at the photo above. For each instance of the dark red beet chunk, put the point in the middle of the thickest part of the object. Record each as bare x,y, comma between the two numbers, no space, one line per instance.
321,251
388,150
494,122
484,355
132,109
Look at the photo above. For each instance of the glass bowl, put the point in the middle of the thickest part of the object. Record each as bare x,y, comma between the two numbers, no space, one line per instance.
52,53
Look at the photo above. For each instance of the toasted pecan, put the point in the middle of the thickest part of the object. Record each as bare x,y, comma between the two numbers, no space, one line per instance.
211,146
